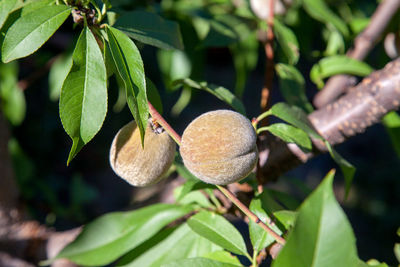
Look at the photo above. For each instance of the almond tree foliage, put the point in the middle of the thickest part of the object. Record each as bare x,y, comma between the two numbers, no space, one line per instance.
106,58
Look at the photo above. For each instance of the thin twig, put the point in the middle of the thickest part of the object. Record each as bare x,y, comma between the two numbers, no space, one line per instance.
250,214
155,115
363,44
269,53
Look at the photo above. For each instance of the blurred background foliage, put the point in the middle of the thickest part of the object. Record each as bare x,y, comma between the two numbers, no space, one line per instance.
222,47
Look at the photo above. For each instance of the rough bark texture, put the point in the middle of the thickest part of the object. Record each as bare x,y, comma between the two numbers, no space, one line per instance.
363,44
363,105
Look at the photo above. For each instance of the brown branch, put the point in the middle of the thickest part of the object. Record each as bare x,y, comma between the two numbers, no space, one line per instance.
269,61
250,214
363,106
363,44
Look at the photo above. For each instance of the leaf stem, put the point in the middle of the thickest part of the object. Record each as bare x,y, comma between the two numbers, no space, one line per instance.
155,115
159,119
250,214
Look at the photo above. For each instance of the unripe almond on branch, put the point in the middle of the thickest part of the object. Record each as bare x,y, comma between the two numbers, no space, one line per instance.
219,147
141,166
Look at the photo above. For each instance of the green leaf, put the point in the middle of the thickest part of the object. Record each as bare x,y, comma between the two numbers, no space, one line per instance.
12,99
260,206
321,12
5,8
322,235
150,28
195,197
397,251
112,235
219,231
245,57
391,121
347,168
57,75
218,91
287,41
295,116
182,102
287,200
192,185
292,86
333,65
198,262
298,118
174,65
83,100
289,134
286,217
31,31
129,64
223,256
180,244
227,29
153,95
335,44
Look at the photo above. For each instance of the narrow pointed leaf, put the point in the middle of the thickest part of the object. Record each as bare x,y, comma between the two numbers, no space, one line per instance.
218,230
218,91
57,75
129,64
320,11
83,100
346,167
180,244
333,65
292,86
12,97
289,134
111,236
31,31
294,116
258,236
322,236
198,262
287,41
223,256
5,8
150,28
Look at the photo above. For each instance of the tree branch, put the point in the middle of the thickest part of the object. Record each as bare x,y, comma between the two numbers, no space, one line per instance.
363,106
363,44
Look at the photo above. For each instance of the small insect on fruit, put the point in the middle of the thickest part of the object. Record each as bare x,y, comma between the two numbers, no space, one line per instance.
142,166
219,147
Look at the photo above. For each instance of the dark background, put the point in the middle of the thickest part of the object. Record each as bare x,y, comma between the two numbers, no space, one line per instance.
67,196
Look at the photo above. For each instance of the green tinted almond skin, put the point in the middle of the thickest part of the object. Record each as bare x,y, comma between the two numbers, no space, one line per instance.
138,166
219,147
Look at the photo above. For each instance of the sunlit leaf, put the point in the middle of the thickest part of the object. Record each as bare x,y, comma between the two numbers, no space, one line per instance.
218,91
112,235
83,101
218,230
179,244
320,11
289,134
129,64
5,8
150,28
292,86
287,41
333,65
31,31
322,235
